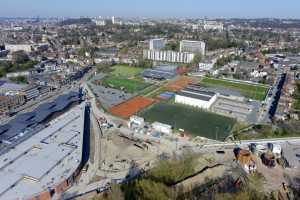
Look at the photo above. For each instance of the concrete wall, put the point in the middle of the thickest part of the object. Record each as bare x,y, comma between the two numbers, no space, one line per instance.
195,102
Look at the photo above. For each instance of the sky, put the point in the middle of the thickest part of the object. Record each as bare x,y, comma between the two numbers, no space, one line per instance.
152,8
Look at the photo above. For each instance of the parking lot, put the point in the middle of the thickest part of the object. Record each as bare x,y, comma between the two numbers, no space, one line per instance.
108,97
244,111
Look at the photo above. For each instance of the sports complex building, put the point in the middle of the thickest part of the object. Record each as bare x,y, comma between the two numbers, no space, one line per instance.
163,72
197,97
42,154
223,102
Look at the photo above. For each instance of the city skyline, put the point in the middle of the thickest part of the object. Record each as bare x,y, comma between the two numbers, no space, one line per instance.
154,8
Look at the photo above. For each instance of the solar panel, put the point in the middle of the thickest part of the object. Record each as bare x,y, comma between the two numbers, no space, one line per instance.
40,114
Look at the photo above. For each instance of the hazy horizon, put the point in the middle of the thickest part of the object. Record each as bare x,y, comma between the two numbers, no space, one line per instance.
152,9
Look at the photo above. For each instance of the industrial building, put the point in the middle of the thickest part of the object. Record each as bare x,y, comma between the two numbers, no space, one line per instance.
156,44
196,96
169,56
48,162
197,47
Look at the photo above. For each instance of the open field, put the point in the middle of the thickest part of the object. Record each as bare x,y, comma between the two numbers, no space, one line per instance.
194,121
129,85
131,107
126,71
256,92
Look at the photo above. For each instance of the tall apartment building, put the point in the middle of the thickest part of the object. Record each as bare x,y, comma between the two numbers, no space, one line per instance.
197,47
115,20
156,44
168,56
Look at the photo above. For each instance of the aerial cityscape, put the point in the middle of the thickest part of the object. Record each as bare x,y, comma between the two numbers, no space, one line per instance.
158,100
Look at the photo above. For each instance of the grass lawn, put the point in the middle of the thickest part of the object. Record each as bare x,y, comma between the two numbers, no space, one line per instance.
126,71
283,130
156,92
256,92
148,90
129,85
192,120
296,97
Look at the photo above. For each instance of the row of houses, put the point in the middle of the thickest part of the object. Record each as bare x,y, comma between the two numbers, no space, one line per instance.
14,95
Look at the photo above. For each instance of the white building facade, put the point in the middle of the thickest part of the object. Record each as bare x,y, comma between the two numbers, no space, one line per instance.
213,25
162,128
156,44
169,56
19,47
193,47
199,99
100,22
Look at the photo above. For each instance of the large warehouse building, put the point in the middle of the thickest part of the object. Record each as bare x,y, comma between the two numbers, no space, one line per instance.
48,162
196,96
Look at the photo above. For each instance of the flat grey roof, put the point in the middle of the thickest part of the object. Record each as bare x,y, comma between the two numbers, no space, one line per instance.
160,72
12,86
195,96
196,92
44,160
223,91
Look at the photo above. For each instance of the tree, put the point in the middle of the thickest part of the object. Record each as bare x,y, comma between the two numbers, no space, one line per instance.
172,46
19,57
115,193
252,191
19,79
143,63
197,59
146,189
171,171
124,50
